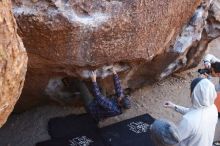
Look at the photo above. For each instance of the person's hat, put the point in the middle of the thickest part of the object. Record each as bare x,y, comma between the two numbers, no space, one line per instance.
164,132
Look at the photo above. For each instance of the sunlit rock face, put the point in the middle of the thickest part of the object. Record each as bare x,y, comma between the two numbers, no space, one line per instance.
13,61
145,40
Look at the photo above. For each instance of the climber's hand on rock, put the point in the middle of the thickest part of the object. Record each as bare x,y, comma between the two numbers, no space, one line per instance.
113,70
93,76
169,104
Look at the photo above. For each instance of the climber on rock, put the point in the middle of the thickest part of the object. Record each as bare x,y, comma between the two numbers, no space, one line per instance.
99,106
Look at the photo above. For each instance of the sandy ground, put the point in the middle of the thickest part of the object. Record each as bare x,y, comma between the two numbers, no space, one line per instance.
30,127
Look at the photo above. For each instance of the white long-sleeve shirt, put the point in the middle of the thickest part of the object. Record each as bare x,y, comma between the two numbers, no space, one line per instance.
197,127
182,110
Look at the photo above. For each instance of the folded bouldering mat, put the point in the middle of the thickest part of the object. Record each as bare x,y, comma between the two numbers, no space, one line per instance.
71,126
82,130
73,130
131,132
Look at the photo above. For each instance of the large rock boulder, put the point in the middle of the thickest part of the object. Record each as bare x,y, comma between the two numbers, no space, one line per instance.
146,40
13,61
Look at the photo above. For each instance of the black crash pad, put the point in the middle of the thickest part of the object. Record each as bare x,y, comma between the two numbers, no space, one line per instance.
82,130
73,130
71,126
131,132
